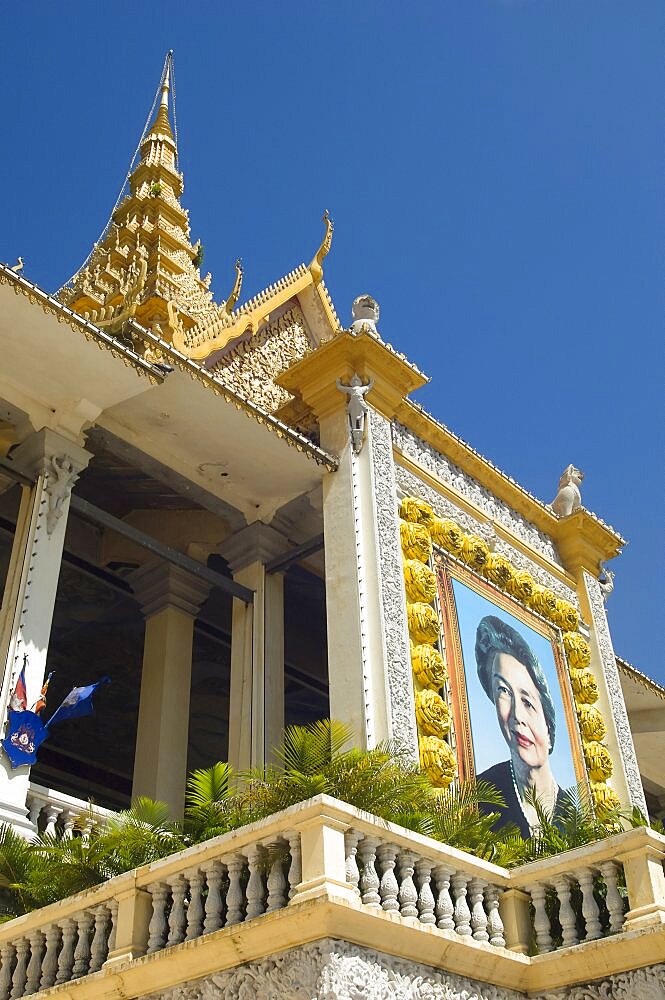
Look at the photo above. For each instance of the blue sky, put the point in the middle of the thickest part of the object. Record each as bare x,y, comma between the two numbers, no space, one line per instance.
495,172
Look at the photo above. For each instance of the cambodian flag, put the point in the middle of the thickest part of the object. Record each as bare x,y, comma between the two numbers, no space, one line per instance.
19,700
77,703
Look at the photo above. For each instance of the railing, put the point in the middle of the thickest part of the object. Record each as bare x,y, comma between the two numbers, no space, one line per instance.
52,812
327,851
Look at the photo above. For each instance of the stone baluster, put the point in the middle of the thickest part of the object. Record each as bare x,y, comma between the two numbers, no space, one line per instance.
177,917
7,952
113,909
34,810
195,912
388,888
82,954
86,828
235,898
590,910
408,894
567,917
20,969
34,972
444,908
50,962
613,899
351,838
276,883
369,879
255,887
494,921
68,821
478,916
214,903
426,901
66,957
158,927
52,813
541,922
98,949
461,911
295,868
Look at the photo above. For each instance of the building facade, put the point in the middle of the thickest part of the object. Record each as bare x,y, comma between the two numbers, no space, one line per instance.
238,514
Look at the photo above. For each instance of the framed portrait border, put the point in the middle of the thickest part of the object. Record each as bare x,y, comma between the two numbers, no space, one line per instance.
447,569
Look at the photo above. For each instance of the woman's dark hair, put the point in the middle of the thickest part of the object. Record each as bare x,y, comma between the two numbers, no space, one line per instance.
495,636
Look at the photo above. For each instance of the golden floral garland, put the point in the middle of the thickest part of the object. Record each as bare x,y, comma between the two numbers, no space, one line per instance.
419,527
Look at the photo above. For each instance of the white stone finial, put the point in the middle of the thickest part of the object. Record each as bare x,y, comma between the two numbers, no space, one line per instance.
569,498
365,316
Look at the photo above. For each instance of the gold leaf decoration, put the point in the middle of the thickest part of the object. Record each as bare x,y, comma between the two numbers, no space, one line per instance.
438,761
420,581
474,551
577,650
605,799
428,666
415,510
448,534
416,542
499,570
432,714
598,760
423,622
521,586
566,616
585,686
544,601
592,723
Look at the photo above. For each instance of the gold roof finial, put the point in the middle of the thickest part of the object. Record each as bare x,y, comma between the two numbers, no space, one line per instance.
230,303
316,267
162,123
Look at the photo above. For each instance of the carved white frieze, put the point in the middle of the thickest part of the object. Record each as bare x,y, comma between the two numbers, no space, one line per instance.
601,632
414,486
497,510
638,984
391,582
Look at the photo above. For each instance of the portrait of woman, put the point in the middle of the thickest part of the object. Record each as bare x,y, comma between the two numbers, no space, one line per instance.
509,694
513,680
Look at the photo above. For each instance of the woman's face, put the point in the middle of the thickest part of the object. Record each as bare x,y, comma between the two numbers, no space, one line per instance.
520,711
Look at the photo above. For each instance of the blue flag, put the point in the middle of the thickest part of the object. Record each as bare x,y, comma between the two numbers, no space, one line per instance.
77,703
25,734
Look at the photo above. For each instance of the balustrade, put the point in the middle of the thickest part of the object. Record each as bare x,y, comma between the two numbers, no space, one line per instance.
324,848
52,813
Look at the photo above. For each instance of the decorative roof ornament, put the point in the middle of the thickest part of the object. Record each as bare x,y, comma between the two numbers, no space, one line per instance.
569,498
230,303
316,267
365,315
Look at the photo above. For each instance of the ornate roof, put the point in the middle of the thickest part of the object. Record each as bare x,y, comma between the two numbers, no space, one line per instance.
145,267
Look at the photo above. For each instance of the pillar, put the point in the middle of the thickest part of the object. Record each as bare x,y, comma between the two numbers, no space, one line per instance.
256,717
170,599
54,463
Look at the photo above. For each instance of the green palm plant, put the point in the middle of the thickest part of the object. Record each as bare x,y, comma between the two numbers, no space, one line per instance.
17,874
576,824
460,817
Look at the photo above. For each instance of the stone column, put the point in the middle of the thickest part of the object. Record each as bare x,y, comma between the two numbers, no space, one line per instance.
170,599
625,780
368,645
54,462
256,716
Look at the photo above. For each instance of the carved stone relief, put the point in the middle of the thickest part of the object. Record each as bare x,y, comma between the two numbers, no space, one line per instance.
616,699
432,460
445,508
393,601
251,367
638,984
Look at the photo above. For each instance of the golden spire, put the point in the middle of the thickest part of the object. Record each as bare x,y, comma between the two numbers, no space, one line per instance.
162,124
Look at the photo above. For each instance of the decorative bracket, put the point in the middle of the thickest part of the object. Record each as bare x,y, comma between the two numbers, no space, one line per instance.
356,409
62,473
